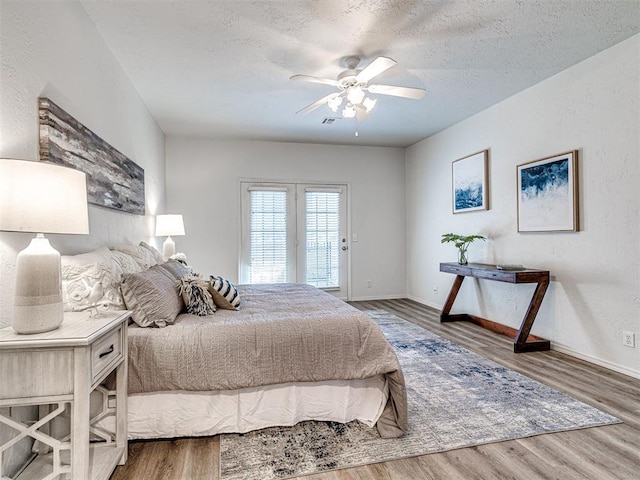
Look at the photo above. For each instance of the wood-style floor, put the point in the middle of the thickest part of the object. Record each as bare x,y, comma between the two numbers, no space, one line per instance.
600,453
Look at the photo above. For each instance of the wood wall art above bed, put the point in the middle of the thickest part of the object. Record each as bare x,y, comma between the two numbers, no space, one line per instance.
113,180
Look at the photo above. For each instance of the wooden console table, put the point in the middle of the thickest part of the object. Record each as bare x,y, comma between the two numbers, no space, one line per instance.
523,341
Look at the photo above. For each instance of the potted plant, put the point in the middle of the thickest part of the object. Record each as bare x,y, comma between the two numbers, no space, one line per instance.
461,242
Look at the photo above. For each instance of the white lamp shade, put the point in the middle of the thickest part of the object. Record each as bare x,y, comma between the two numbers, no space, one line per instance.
169,225
42,198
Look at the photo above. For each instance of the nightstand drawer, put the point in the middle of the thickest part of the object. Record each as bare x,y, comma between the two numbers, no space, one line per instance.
36,373
104,352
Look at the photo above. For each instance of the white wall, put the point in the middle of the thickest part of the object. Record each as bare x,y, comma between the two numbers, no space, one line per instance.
595,291
52,49
203,184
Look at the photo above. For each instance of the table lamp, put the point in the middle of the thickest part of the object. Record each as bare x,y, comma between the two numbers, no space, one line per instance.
169,225
41,198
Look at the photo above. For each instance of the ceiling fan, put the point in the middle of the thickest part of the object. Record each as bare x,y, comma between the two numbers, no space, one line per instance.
353,84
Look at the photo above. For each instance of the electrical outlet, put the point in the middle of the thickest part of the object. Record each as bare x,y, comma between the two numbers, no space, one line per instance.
369,283
629,339
435,289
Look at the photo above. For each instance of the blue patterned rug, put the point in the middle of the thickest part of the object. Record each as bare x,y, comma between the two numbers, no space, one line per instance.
456,399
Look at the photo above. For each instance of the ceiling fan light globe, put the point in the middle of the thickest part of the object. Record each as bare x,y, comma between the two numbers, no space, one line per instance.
349,111
334,103
355,95
361,113
369,103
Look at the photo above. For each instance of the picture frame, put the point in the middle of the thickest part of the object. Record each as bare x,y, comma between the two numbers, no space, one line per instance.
548,194
470,182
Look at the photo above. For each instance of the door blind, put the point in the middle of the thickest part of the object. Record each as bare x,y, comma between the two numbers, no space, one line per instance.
323,238
268,236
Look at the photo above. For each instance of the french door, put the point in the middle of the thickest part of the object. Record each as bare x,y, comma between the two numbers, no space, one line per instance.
294,232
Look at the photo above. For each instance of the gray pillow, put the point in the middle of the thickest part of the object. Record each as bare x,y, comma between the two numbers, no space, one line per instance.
175,268
152,296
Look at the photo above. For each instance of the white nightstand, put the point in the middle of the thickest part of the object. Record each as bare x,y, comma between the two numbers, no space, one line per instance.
62,367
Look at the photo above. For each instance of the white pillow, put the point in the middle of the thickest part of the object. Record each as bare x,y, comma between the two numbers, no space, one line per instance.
143,256
91,281
125,263
157,256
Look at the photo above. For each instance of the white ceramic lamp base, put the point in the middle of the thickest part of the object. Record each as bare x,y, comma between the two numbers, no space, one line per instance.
168,248
38,297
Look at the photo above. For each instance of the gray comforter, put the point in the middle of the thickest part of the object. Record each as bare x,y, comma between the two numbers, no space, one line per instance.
282,333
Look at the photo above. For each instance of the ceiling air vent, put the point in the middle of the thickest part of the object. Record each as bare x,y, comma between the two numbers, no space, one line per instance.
329,120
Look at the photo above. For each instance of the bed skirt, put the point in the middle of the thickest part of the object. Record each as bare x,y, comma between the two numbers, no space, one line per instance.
192,414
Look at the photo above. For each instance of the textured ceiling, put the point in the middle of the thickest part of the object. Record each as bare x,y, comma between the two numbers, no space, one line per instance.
221,69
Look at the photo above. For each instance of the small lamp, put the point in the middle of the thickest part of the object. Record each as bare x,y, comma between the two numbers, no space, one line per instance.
40,198
169,225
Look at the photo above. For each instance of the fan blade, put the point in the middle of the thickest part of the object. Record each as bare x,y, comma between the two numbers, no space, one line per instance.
314,105
376,67
308,78
406,92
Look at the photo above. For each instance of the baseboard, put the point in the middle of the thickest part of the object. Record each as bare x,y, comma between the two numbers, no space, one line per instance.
595,360
561,348
377,297
424,302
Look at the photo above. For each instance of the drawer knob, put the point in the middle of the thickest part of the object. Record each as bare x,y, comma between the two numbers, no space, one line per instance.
107,352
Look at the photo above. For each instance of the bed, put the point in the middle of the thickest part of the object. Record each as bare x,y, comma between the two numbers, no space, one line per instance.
290,353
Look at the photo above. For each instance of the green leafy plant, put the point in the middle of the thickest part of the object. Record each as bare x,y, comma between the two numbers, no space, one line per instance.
461,242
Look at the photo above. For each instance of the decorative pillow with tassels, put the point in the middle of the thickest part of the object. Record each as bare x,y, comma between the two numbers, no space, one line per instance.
196,296
225,294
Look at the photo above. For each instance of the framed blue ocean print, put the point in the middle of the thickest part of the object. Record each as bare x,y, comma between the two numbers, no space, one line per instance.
548,194
470,183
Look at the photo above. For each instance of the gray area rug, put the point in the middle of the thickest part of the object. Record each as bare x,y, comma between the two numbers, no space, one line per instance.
456,399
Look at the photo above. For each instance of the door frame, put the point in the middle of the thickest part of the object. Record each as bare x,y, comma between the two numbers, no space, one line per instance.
295,182
342,290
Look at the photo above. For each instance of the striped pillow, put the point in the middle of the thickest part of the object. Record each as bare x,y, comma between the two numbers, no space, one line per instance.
225,294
